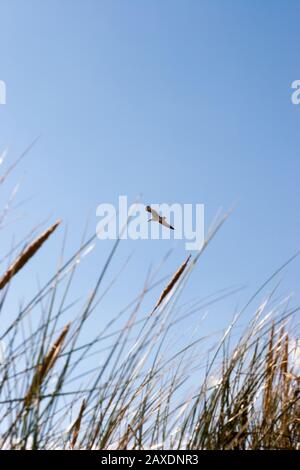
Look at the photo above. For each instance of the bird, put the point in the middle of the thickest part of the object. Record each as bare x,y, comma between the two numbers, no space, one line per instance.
158,218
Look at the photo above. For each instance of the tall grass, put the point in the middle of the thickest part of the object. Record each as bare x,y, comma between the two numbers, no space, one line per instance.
130,386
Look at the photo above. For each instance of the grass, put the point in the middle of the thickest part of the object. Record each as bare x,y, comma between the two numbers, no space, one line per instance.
239,389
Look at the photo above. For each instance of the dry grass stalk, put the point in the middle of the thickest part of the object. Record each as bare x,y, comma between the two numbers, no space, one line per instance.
269,377
285,376
172,283
45,366
76,425
285,390
25,255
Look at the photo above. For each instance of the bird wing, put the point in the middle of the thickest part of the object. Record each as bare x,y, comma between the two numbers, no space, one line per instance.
154,214
162,220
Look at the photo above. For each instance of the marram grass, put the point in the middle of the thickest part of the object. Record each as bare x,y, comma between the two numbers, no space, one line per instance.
134,385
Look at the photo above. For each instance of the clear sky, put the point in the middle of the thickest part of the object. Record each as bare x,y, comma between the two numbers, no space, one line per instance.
182,101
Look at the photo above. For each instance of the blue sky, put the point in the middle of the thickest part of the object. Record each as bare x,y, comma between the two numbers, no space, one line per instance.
185,102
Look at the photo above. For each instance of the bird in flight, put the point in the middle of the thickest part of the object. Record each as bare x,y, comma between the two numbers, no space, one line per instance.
158,218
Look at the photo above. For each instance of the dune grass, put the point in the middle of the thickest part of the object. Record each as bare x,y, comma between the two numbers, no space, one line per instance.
125,388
